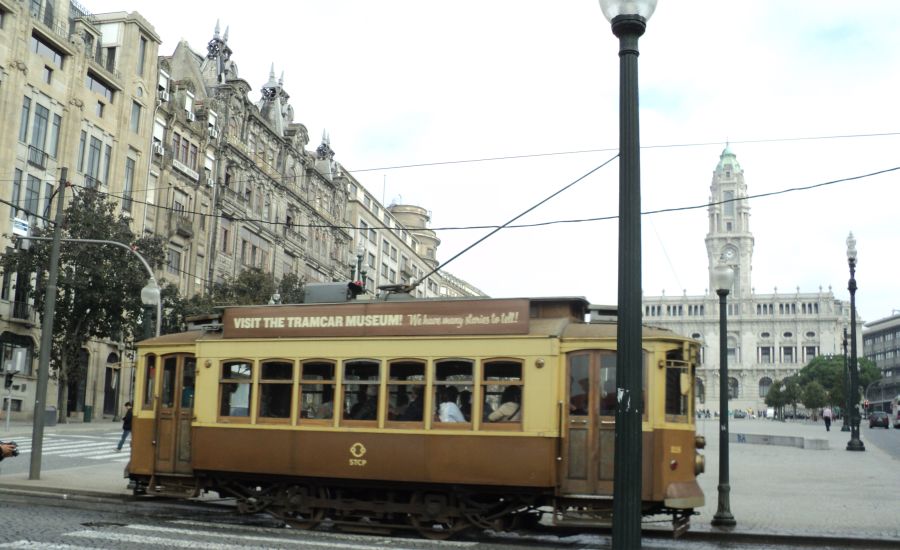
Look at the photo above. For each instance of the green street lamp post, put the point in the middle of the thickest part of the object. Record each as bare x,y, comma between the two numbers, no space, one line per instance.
855,444
723,279
846,426
629,21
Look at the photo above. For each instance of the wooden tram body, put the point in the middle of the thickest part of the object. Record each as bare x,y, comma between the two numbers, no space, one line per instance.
244,411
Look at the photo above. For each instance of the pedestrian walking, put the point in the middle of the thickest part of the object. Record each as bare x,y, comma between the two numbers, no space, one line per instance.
126,426
827,415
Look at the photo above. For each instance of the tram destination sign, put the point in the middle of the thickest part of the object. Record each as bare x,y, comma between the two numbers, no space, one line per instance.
426,318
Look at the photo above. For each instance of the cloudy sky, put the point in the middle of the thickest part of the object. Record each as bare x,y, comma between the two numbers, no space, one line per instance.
804,90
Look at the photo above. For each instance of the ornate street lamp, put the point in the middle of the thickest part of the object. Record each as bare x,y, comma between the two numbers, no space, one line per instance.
723,279
846,426
855,444
150,297
629,20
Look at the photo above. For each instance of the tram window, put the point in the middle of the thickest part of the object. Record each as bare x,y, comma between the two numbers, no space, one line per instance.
188,379
678,388
579,384
406,391
167,395
361,382
234,398
149,381
275,385
453,390
317,390
503,392
608,384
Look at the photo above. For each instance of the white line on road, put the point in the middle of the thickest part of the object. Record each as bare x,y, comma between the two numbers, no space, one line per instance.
44,545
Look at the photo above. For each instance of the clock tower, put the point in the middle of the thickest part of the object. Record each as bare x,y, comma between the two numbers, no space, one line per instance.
729,238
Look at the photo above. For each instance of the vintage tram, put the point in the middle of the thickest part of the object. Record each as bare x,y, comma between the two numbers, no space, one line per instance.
435,415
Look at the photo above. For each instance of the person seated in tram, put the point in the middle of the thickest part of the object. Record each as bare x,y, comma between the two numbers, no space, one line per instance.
510,409
414,410
448,410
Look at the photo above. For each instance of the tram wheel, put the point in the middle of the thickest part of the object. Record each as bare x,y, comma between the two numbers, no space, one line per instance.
431,518
292,507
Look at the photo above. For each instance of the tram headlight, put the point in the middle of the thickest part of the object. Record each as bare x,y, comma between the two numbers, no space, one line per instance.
699,442
699,464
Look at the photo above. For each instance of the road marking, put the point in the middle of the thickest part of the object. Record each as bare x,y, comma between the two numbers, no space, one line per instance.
306,542
370,540
44,545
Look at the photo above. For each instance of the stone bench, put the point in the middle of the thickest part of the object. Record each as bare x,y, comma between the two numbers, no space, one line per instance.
783,440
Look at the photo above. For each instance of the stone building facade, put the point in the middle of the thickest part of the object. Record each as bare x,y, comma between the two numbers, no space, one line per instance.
770,335
178,143
881,344
76,92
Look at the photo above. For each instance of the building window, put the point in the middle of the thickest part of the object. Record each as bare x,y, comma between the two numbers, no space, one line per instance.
766,355
33,195
46,51
173,262
142,56
129,185
23,122
94,84
47,74
135,116
16,191
764,385
98,109
53,146
789,354
733,388
811,352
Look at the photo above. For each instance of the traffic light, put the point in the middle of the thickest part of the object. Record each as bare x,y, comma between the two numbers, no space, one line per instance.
9,380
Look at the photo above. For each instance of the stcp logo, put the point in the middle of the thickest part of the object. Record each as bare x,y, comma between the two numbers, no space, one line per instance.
357,451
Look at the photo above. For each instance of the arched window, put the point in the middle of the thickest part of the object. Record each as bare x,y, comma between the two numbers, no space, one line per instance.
700,391
764,384
733,388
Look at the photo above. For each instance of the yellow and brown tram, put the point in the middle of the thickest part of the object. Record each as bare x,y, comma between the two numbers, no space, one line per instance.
336,411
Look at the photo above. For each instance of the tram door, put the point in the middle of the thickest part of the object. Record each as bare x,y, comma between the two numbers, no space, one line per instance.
174,415
590,426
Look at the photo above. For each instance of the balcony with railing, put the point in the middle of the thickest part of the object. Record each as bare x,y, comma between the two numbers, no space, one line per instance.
181,224
103,59
91,182
44,13
37,157
21,311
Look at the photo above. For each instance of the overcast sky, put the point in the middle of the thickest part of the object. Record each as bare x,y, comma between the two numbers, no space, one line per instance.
397,83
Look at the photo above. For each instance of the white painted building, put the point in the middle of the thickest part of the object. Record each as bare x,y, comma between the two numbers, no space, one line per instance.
770,336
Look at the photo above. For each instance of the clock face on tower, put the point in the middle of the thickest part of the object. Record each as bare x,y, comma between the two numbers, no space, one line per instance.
729,254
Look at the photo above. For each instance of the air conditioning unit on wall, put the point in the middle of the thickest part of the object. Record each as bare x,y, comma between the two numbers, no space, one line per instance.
163,96
190,116
159,149
213,133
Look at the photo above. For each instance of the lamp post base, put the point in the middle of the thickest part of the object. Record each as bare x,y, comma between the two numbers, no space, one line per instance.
855,445
723,517
845,428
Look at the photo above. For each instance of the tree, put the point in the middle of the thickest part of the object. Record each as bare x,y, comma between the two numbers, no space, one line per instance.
776,398
813,396
99,286
792,392
828,371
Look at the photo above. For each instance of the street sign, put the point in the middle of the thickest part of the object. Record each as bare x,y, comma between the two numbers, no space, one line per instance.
20,227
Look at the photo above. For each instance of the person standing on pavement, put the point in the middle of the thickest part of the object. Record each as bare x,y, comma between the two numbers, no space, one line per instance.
827,415
126,426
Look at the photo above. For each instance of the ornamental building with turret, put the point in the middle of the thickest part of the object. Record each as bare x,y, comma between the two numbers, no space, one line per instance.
770,335
178,144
